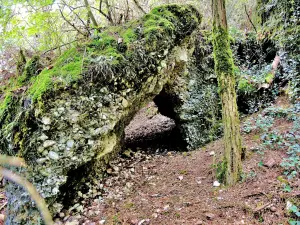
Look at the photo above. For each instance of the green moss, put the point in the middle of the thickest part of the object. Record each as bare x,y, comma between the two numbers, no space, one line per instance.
269,78
222,52
21,62
221,169
31,69
115,43
129,35
68,68
245,86
5,102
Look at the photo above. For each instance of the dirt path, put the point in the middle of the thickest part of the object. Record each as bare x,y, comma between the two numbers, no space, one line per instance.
177,188
169,187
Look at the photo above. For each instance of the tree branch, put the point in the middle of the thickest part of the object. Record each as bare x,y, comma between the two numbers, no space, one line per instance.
250,19
52,49
72,25
139,6
40,202
76,14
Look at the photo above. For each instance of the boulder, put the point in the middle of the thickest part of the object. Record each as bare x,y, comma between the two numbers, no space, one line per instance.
69,121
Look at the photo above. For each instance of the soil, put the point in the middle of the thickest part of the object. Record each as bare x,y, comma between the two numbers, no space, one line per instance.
146,186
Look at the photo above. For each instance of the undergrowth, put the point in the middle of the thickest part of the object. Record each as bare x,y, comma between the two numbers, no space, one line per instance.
275,139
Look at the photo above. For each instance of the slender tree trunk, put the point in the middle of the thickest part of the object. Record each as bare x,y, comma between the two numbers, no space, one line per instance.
88,7
232,165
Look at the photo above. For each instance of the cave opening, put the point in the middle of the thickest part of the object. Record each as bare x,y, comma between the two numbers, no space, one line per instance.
152,132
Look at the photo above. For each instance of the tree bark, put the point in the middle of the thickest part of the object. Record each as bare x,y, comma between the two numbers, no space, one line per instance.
88,7
232,165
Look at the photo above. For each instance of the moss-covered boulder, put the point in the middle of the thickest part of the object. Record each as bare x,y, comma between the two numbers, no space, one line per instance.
68,121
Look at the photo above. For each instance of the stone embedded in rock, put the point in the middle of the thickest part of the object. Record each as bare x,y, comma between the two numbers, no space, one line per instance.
46,121
53,155
41,160
70,143
125,103
44,137
49,143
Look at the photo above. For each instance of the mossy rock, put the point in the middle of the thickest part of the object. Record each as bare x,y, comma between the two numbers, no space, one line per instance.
68,121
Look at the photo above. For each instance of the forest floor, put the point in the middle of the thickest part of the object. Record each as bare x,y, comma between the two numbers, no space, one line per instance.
166,187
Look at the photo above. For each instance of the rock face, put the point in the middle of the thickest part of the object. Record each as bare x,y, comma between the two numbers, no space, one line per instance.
70,120
191,99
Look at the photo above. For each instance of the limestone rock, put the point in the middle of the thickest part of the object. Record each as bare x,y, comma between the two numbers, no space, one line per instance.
53,155
48,143
84,114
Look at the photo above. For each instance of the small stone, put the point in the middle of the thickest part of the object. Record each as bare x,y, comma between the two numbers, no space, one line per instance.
210,216
61,215
180,178
40,149
109,171
53,155
70,143
270,163
43,137
134,221
41,160
79,208
166,207
55,190
72,223
124,103
273,209
288,205
46,120
216,184
212,153
199,222
144,222
102,221
48,143
91,142
198,180
154,215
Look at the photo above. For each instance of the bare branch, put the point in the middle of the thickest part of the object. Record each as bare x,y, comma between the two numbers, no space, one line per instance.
107,16
40,202
72,25
52,49
139,6
12,161
76,14
250,19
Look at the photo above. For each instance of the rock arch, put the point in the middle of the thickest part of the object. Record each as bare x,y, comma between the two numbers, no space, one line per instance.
69,120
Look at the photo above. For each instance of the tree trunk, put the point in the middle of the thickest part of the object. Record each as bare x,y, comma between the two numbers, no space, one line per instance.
232,165
88,7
